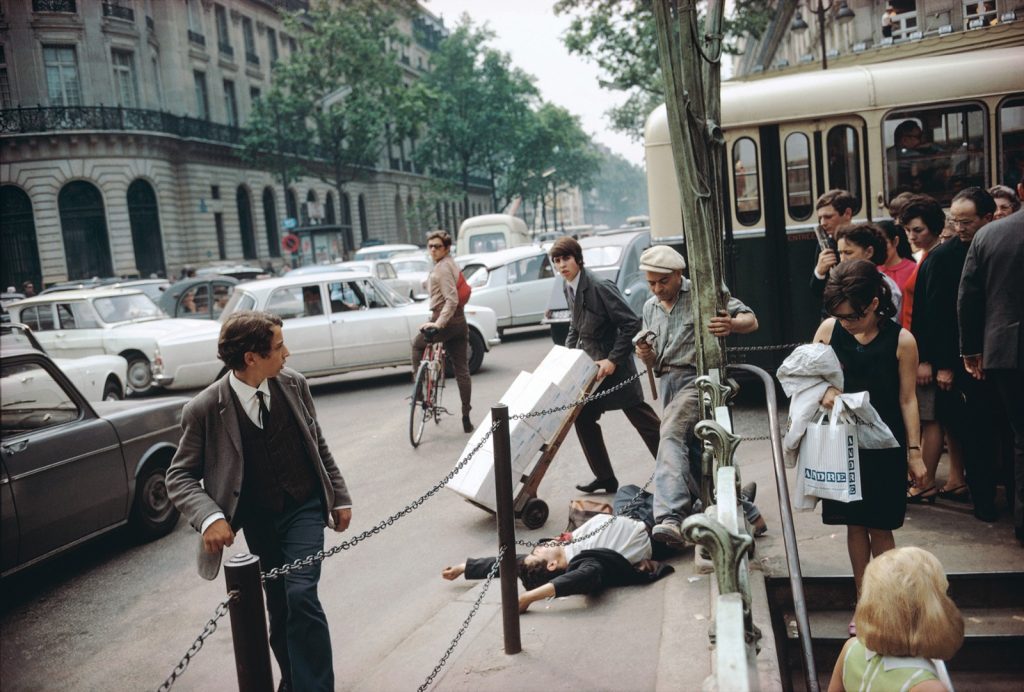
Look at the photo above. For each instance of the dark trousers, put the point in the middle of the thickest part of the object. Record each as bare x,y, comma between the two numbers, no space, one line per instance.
969,419
588,430
456,342
299,635
1010,385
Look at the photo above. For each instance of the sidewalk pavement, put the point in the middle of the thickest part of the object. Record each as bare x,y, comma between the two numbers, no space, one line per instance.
655,637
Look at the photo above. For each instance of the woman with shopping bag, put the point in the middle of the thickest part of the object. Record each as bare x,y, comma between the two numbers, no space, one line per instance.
878,357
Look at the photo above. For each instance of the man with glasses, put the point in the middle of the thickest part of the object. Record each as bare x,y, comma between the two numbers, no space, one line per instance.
963,404
447,317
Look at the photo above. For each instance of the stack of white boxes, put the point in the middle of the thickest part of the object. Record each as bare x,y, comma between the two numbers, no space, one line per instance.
560,379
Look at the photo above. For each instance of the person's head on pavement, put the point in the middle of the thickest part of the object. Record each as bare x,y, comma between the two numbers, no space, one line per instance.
835,210
663,269
864,241
969,211
567,256
544,563
439,244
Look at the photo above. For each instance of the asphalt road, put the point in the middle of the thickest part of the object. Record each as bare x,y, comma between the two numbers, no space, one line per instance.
116,615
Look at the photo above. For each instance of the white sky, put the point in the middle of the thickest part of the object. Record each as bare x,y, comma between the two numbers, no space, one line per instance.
531,33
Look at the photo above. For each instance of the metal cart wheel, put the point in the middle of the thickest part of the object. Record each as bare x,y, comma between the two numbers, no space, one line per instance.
535,513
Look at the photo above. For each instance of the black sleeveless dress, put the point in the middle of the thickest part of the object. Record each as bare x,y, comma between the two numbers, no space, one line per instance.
873,367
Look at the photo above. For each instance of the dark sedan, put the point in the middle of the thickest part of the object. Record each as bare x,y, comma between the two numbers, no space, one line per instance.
72,469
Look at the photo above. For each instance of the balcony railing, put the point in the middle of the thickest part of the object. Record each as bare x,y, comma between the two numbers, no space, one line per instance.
196,38
252,58
118,12
54,6
225,49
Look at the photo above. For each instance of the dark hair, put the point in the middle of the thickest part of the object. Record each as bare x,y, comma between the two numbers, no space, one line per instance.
899,202
443,236
866,235
928,210
840,200
904,127
536,574
894,231
1007,193
248,331
982,200
857,282
567,247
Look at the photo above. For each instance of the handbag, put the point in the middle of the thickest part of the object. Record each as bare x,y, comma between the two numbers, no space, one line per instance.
464,289
582,511
828,466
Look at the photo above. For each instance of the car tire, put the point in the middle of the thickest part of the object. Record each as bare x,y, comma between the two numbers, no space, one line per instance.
112,390
140,374
153,513
476,351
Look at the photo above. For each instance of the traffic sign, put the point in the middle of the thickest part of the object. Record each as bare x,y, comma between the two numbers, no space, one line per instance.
289,224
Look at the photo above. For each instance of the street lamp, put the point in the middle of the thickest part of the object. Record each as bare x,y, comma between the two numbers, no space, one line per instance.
843,15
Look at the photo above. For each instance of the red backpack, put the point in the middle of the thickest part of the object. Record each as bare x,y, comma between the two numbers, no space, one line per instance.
464,289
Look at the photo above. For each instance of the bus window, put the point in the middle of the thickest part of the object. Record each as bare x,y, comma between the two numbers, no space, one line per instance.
1011,141
744,172
798,177
935,151
844,162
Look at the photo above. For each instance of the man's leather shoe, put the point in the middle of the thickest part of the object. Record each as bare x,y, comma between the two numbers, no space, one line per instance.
608,485
669,532
466,425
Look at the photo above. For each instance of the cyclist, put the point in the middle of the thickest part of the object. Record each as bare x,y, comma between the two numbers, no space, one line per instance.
447,317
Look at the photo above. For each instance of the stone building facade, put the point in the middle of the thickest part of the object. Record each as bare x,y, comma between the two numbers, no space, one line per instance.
120,131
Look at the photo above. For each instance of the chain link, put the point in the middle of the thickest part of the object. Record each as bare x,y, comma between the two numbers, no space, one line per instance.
465,623
579,402
209,628
759,349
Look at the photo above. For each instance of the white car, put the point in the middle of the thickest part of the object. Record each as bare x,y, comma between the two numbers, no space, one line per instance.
112,321
383,251
414,267
515,283
333,323
98,378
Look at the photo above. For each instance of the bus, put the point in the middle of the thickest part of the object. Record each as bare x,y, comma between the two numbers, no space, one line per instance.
788,139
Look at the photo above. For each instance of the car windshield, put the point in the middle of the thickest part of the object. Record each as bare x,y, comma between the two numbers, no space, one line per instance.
239,300
410,265
126,308
604,256
392,296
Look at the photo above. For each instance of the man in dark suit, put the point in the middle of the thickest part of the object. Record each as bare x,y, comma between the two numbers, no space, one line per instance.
252,457
991,310
963,404
603,325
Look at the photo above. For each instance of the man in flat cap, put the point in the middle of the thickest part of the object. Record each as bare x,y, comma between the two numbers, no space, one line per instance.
673,357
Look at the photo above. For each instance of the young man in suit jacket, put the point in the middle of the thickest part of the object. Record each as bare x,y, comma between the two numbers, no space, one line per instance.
252,457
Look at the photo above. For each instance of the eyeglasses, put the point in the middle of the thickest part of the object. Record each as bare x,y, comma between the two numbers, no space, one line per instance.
435,246
852,317
962,222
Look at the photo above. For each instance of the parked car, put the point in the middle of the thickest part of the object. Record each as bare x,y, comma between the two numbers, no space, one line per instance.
114,321
613,255
98,378
385,272
242,272
198,298
515,283
414,267
368,252
71,469
154,288
333,323
95,282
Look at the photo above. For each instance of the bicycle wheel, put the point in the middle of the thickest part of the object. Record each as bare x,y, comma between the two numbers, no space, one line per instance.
419,409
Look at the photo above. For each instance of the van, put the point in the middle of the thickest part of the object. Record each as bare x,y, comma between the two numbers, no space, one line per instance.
491,232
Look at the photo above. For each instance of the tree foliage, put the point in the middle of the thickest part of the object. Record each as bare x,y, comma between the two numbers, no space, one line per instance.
619,37
619,190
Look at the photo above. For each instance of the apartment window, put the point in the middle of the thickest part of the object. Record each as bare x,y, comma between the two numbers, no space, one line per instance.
979,14
62,83
54,6
157,86
272,44
202,96
230,103
5,85
255,94
215,192
124,78
195,22
249,38
223,37
119,9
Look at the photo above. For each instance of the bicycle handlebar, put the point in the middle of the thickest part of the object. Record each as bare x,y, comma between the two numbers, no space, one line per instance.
430,332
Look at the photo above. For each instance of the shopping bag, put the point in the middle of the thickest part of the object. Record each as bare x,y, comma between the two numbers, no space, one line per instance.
829,463
581,511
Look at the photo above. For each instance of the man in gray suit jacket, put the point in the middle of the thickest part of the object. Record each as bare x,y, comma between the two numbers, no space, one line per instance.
252,457
991,310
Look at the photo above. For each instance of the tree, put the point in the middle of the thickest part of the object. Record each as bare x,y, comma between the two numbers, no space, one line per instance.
619,37
340,97
619,191
473,105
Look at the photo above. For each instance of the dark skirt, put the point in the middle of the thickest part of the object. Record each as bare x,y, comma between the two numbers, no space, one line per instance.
883,474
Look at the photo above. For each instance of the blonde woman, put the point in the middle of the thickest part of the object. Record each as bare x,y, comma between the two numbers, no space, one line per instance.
906,627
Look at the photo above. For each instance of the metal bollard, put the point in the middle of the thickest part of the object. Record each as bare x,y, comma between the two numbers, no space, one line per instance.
506,529
249,624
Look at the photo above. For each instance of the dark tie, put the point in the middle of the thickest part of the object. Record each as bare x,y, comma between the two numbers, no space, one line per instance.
572,297
264,411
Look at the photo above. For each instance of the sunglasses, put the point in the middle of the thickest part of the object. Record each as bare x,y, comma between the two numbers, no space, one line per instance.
434,246
852,317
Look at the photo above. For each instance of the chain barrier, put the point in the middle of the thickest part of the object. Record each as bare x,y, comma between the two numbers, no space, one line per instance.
465,623
760,349
209,628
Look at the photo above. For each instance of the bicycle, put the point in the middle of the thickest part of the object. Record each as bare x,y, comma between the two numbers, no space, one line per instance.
428,388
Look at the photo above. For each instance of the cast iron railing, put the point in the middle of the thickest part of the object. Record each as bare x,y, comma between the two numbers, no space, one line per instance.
117,11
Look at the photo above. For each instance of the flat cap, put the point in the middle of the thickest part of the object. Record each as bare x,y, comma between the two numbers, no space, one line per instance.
661,259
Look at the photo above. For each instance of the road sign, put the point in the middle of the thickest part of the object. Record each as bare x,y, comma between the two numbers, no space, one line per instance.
289,224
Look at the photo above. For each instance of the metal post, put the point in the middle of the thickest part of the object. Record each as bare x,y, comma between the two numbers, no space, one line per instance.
820,11
249,624
506,529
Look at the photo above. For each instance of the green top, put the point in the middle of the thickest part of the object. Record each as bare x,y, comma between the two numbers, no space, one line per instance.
866,671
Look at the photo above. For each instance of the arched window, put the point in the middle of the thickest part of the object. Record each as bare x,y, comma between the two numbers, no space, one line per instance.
305,217
329,217
144,218
799,200
364,228
843,154
745,181
270,221
291,204
20,259
83,223
403,230
245,223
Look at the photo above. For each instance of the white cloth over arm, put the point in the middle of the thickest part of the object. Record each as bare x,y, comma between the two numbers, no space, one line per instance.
805,375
